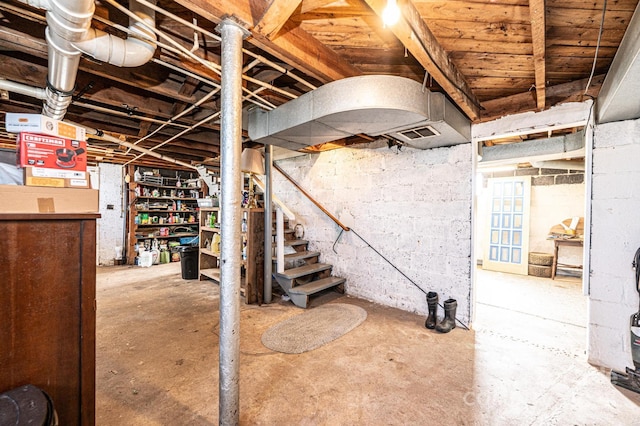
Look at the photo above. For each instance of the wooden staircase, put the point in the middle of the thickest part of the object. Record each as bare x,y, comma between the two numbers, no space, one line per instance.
304,275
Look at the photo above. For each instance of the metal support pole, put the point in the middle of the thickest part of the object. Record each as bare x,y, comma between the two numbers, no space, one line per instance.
231,216
268,224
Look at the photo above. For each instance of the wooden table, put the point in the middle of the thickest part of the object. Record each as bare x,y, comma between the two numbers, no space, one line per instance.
576,242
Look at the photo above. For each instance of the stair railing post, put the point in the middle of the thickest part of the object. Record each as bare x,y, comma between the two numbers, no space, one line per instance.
279,240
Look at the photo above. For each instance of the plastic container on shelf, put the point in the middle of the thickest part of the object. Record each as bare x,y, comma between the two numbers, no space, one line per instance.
146,259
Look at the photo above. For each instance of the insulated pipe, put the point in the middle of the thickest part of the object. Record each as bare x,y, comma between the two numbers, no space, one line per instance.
23,89
231,245
268,224
130,52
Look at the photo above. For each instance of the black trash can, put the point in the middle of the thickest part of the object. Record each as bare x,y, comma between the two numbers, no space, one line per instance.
189,262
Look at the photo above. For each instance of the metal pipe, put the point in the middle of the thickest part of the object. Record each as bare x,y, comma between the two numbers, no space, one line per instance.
268,224
23,89
124,114
182,133
262,59
230,260
129,52
99,134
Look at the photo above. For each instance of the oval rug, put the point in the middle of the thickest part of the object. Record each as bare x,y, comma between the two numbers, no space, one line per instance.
314,328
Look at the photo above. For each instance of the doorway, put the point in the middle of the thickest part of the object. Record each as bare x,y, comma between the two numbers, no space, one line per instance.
523,303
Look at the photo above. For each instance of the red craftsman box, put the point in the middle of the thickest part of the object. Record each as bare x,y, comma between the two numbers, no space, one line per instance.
52,152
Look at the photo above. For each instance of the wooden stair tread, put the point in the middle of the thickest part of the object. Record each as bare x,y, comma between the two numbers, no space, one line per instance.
318,285
304,270
298,256
293,243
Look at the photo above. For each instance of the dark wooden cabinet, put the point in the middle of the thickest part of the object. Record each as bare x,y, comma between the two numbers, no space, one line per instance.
47,309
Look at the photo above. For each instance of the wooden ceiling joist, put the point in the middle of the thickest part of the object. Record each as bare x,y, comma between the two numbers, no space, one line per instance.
537,12
292,45
276,15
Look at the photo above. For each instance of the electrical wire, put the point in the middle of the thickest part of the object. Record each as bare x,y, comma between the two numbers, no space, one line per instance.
595,56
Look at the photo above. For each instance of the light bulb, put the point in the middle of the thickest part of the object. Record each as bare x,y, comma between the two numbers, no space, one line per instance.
391,13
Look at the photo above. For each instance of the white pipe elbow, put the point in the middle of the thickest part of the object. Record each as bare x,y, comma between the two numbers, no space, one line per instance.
130,52
116,51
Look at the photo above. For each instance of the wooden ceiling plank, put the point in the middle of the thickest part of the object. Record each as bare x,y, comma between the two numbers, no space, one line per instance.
537,12
414,34
474,11
276,15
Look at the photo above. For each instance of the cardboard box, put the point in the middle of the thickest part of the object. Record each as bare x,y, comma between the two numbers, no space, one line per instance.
38,123
36,176
36,199
51,152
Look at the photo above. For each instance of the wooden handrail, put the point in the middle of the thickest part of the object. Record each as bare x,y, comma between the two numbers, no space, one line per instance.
301,189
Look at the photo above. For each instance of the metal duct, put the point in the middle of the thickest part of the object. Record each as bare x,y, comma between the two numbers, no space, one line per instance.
130,52
68,35
67,22
375,105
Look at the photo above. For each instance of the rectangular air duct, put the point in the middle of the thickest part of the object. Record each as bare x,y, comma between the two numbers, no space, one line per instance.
374,105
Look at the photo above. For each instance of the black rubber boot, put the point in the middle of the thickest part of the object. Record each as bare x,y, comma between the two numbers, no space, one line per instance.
449,321
432,304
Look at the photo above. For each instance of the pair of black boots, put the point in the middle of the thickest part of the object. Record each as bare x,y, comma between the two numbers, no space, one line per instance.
448,323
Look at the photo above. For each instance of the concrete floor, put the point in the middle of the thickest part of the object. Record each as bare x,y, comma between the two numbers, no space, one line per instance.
524,362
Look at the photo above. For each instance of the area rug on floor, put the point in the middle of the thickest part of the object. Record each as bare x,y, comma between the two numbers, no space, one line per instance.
314,328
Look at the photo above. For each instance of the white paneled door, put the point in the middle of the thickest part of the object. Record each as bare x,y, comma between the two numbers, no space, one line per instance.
507,242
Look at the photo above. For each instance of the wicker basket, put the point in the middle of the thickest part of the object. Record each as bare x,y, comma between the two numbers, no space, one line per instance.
541,259
540,271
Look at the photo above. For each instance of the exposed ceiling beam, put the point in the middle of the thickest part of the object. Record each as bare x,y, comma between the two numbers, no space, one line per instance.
416,36
293,45
522,102
537,12
276,15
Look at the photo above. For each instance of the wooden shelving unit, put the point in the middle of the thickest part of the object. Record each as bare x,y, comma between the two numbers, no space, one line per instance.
161,210
253,262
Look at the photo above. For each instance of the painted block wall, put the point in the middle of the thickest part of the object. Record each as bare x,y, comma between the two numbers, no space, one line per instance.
615,236
111,222
413,206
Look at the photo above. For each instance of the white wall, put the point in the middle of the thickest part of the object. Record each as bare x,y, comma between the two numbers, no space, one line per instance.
413,206
550,205
111,222
615,236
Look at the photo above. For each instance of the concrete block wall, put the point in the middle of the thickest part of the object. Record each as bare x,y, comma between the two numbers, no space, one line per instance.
413,206
111,223
615,236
